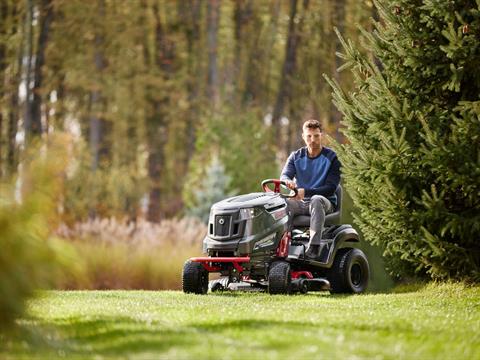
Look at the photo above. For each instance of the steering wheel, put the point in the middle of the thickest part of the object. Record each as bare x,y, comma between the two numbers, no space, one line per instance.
278,185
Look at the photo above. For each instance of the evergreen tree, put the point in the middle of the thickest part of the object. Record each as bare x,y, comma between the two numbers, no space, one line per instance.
213,188
412,164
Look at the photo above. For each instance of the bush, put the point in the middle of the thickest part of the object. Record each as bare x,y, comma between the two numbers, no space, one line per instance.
212,188
30,256
414,128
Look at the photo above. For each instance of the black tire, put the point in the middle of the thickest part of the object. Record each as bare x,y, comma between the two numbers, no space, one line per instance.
350,272
194,278
279,278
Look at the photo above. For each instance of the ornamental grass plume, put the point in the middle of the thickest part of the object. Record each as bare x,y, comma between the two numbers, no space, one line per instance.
133,255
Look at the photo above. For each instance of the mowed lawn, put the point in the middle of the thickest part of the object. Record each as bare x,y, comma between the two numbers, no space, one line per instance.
433,322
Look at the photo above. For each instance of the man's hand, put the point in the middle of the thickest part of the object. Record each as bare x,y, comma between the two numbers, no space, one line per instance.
291,184
301,194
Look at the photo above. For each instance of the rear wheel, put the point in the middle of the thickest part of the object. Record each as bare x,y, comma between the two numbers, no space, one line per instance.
279,278
350,272
194,278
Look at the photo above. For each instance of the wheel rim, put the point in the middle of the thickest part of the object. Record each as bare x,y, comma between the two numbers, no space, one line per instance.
356,275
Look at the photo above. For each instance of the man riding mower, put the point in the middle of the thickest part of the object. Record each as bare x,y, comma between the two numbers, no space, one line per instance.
253,245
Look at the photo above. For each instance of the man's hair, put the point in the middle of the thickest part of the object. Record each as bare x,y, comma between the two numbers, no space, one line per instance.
312,124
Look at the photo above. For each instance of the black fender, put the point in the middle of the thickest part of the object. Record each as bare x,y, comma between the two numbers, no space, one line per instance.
341,235
334,239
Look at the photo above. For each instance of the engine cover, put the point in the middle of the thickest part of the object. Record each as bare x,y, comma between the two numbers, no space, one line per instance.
245,223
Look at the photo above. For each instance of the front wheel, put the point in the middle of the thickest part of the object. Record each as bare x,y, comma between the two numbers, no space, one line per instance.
194,278
279,278
350,272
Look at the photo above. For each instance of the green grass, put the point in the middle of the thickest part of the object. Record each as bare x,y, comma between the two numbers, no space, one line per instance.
433,322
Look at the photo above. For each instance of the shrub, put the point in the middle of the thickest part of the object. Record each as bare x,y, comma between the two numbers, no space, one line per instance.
30,257
212,188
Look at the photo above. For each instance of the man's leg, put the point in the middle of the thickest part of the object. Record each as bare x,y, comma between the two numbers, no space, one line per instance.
294,208
320,206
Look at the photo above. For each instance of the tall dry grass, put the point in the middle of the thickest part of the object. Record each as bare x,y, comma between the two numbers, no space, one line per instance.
125,255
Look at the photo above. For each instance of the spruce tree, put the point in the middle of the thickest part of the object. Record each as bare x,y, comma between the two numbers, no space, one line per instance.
412,164
212,188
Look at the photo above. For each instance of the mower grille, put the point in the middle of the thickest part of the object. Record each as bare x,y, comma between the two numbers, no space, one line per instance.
222,225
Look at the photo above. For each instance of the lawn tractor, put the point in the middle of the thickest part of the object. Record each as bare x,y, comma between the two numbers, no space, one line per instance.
253,245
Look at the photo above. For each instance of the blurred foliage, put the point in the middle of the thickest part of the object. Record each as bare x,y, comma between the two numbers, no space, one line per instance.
243,145
30,257
133,82
127,266
132,255
209,190
107,191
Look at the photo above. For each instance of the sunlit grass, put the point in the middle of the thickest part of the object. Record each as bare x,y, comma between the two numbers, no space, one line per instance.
436,322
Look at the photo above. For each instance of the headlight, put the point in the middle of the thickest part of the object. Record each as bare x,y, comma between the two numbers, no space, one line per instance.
249,213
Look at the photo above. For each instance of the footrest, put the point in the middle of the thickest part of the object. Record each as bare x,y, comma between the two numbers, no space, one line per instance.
317,284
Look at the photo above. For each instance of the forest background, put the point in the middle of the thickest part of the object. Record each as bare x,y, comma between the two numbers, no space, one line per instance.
153,110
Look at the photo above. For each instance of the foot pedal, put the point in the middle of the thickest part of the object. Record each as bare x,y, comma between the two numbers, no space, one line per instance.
318,284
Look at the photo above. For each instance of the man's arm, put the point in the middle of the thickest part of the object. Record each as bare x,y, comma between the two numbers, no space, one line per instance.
288,172
331,182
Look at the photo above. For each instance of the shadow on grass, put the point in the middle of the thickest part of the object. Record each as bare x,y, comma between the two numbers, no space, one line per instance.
111,336
104,335
124,336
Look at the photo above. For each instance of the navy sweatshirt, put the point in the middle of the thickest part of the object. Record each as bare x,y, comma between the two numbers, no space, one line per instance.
318,176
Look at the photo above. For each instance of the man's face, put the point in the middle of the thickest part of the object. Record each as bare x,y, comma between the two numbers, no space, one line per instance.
312,138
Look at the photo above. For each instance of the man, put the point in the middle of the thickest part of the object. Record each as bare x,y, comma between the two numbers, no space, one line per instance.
316,171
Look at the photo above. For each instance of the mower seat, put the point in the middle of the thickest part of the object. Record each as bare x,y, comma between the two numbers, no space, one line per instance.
330,219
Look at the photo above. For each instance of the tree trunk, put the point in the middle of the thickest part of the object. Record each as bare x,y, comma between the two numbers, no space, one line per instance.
190,14
59,120
15,75
242,17
289,66
3,67
272,31
98,127
28,120
213,17
338,19
46,18
157,125
13,115
156,133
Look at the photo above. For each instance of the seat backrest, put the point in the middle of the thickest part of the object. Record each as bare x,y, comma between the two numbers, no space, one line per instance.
339,193
334,218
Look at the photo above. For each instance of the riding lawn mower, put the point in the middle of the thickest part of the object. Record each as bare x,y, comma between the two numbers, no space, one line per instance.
254,245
